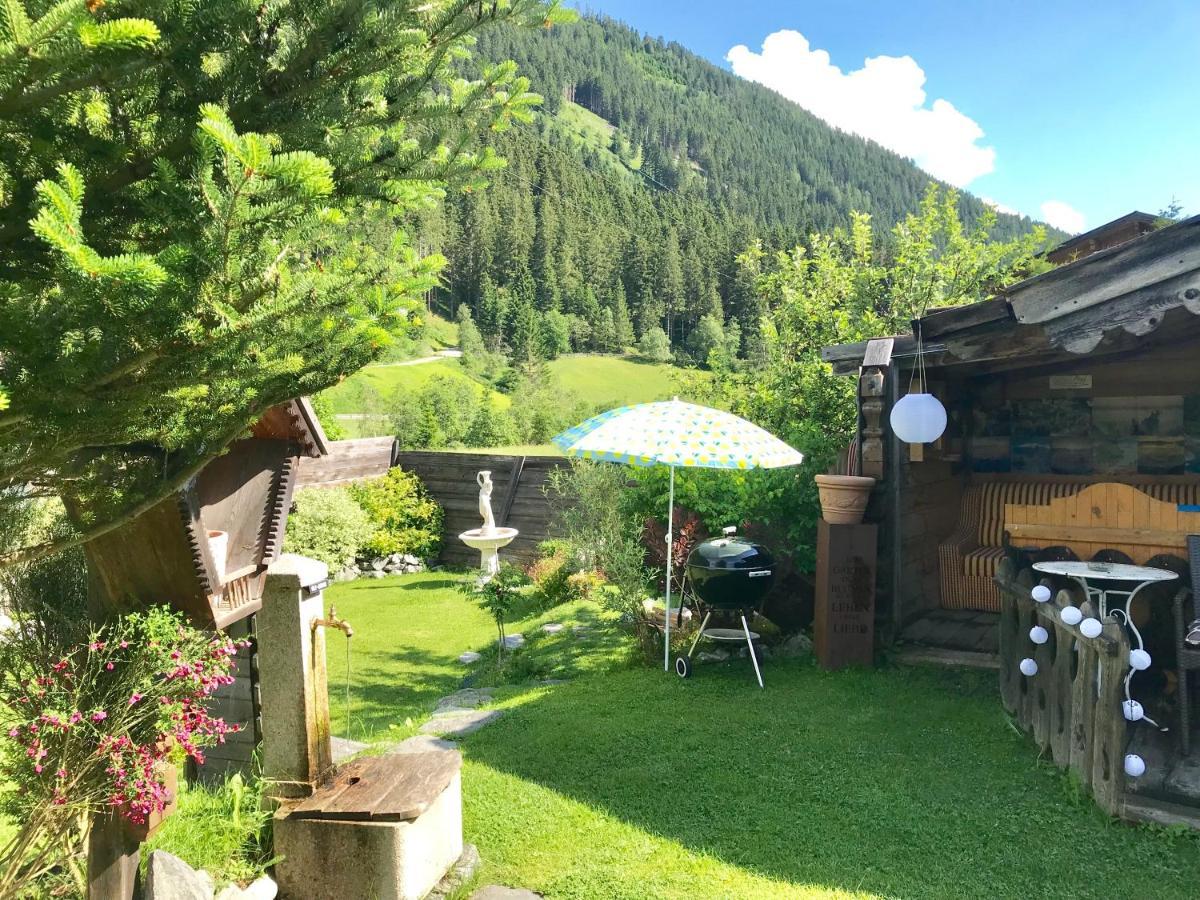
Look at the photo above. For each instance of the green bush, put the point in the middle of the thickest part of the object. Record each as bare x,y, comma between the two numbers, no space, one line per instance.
655,346
404,517
327,524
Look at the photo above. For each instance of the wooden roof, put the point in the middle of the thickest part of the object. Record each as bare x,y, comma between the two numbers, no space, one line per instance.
1109,302
294,421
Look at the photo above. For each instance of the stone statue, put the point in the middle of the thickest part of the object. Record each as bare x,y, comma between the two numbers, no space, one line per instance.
484,480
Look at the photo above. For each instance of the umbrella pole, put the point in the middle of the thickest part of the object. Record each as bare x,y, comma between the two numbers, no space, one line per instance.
670,555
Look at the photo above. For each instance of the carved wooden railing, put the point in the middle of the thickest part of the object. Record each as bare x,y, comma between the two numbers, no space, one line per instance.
1072,706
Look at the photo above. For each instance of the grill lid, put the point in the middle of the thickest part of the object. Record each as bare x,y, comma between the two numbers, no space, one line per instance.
730,552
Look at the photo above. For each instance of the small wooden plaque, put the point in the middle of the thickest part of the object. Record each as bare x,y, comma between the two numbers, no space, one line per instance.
844,623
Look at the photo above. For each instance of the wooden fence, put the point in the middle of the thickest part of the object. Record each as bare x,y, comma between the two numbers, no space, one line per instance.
1072,706
518,497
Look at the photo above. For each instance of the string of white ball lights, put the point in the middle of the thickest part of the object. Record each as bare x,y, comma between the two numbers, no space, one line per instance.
1089,627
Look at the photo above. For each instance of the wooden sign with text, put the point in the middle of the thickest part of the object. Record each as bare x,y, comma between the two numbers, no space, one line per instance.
844,623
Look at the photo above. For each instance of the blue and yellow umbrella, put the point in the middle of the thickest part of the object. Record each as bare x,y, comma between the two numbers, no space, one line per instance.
672,433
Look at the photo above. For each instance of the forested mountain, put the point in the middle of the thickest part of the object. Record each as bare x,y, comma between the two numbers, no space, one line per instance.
647,171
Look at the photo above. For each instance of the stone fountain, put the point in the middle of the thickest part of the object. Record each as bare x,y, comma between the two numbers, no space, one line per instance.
487,539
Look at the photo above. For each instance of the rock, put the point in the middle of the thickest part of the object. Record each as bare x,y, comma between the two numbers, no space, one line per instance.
379,564
459,722
513,641
375,574
499,892
552,628
396,559
460,873
422,743
344,748
347,574
261,889
169,878
798,644
712,656
469,657
409,560
551,682
467,698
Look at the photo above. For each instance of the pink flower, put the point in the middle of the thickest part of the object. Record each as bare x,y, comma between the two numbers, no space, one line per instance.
135,698
108,666
14,732
124,644
38,768
99,716
96,645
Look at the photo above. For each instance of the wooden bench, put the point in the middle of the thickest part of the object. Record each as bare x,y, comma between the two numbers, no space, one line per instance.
1109,516
970,556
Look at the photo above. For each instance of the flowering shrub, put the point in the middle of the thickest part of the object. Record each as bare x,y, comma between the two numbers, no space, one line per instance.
87,729
558,578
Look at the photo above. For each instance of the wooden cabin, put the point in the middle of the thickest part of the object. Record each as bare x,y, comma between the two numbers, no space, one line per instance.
1073,402
235,508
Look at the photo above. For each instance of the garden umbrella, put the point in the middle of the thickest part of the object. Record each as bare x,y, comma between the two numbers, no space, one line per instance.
672,433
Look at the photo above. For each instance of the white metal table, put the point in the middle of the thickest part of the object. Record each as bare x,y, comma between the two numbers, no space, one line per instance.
1138,576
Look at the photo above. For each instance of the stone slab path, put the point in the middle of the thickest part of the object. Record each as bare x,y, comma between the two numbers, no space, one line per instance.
499,892
460,722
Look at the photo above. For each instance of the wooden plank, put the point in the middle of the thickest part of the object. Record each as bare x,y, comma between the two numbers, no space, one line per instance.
395,788
1066,534
878,353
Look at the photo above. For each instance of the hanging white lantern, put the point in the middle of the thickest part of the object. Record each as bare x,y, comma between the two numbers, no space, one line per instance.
1029,666
1040,593
1135,766
1139,659
1038,634
1070,615
1132,710
1090,627
918,418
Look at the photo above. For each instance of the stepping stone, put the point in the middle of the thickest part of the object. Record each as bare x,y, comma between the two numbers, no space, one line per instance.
459,722
344,748
469,657
460,873
422,743
499,892
512,641
552,628
468,698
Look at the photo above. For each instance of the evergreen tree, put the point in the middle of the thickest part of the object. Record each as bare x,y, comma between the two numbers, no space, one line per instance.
174,267
470,341
554,335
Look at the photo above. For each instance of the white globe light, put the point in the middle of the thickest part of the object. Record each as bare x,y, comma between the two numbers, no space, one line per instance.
1139,659
918,418
1135,766
1132,710
1038,634
1070,615
1029,666
1040,593
1091,627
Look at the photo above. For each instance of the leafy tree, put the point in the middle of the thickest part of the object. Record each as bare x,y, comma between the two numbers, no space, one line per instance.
470,341
554,335
707,339
204,216
655,346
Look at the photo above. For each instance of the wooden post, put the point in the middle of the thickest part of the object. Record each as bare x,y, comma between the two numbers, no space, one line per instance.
844,624
112,859
872,381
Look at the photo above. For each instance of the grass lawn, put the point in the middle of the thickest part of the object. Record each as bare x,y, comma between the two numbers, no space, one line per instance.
628,783
609,381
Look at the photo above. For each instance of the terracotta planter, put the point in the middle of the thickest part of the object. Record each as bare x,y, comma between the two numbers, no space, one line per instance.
844,497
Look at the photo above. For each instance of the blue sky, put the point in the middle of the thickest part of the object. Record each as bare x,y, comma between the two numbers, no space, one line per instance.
1093,107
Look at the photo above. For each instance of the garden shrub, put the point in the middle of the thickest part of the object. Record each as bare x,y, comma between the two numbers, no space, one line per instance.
592,512
550,573
327,524
404,517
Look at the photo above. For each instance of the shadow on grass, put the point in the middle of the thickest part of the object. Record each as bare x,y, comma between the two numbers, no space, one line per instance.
897,782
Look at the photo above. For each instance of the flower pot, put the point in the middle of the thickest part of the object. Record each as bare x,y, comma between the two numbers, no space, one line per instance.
844,497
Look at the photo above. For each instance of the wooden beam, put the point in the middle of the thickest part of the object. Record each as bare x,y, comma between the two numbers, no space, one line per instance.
1108,274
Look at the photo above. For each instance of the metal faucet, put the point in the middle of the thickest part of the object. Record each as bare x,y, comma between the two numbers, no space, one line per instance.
334,622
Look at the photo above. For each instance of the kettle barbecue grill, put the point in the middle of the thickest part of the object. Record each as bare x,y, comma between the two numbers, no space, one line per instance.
728,574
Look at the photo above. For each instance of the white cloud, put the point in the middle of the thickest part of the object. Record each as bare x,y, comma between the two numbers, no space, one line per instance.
883,101
1064,216
999,207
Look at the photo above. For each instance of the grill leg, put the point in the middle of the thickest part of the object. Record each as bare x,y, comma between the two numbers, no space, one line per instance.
753,657
699,634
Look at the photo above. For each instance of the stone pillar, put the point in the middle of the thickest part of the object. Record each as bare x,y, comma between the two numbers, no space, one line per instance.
296,752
